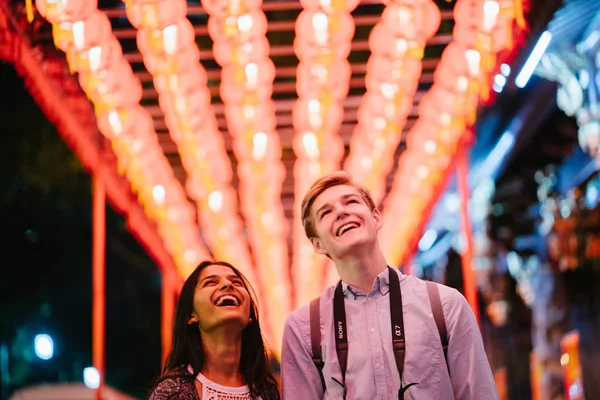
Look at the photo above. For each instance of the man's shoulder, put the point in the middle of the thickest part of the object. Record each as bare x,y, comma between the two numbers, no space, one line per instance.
301,315
447,293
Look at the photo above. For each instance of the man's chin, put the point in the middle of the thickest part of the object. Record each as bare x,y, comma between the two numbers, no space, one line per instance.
350,248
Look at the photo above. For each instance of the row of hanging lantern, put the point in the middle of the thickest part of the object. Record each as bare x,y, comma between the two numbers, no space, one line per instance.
446,115
238,29
166,41
324,32
84,34
397,45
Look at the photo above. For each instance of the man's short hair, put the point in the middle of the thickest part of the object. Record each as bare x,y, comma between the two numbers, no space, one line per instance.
325,182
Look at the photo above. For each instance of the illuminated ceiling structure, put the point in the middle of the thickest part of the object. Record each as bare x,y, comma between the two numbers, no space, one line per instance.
210,159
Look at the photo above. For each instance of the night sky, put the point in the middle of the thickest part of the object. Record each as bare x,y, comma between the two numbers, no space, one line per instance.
46,285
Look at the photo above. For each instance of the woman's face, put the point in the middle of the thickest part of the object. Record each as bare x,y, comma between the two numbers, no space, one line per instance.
220,299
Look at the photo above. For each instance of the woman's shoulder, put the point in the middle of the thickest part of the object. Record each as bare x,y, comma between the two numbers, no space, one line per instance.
175,387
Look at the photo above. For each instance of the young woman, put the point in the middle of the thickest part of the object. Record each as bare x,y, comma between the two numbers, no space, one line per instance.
218,350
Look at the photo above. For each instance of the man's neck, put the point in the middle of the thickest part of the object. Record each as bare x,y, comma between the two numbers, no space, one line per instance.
360,271
223,351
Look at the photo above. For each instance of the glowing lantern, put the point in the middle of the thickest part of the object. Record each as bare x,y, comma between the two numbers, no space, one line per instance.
82,35
311,80
230,7
417,22
180,62
168,41
65,10
228,52
238,28
96,58
330,6
319,29
155,14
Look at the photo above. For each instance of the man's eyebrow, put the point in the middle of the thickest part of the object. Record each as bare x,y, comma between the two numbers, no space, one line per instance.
324,206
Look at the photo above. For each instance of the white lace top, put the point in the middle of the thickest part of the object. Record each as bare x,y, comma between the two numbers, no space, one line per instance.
214,391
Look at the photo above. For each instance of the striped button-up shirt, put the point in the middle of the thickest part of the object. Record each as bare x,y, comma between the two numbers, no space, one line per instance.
372,372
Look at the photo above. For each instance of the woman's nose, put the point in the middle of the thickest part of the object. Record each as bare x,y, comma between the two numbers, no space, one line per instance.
226,284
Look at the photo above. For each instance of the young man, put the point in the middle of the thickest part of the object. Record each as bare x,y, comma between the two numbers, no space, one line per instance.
341,220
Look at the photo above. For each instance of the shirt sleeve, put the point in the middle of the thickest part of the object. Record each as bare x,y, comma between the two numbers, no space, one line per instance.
173,389
470,370
299,375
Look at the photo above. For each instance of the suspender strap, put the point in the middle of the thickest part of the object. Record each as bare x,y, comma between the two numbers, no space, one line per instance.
315,336
438,316
341,333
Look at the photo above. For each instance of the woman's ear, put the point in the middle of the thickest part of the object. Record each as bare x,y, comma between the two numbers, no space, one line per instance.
192,320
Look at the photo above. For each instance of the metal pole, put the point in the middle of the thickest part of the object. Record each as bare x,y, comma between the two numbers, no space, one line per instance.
98,279
469,278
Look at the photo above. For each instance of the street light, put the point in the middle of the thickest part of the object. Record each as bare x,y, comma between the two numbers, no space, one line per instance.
44,346
91,377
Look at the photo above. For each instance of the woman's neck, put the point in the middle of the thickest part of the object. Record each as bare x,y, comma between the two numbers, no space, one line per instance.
223,352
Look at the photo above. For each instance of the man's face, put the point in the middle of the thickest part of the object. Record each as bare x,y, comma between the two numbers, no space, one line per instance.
343,222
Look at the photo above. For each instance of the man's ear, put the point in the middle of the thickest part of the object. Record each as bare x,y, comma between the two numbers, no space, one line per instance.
192,320
316,242
378,219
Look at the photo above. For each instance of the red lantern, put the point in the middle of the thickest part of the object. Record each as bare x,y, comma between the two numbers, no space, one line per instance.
404,71
230,7
155,14
492,42
97,58
82,35
170,40
238,28
309,53
127,121
382,42
418,22
330,7
312,79
228,52
374,105
259,118
321,30
112,88
183,83
96,85
311,114
179,63
65,10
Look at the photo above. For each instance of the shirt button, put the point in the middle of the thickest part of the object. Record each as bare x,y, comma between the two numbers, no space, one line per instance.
373,330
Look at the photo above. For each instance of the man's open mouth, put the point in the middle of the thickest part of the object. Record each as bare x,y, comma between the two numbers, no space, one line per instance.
346,227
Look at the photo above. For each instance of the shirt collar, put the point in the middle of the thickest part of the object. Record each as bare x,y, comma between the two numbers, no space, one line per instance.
381,285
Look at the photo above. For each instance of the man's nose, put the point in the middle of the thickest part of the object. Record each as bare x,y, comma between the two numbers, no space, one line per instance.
340,211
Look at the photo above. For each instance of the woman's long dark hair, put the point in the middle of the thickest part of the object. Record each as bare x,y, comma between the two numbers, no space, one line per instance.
187,346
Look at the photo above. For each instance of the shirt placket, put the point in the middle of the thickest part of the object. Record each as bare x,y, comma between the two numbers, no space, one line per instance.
375,345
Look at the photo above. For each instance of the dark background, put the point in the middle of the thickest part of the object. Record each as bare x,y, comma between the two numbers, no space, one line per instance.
46,285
